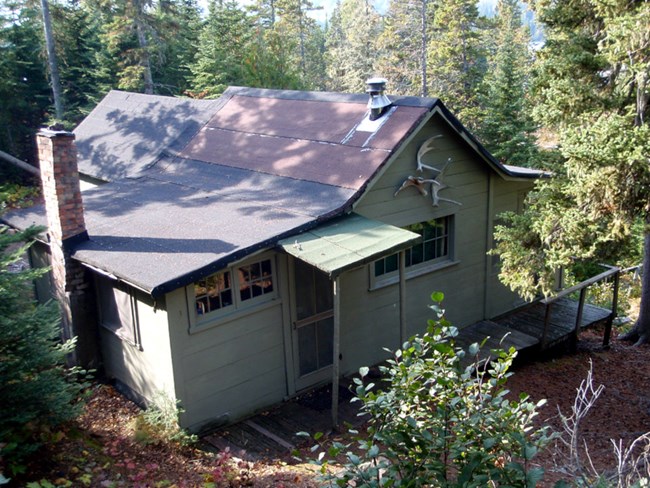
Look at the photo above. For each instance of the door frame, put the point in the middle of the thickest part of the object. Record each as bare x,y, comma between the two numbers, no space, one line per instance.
322,375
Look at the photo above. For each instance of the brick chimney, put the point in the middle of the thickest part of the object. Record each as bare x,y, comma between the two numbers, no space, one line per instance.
71,284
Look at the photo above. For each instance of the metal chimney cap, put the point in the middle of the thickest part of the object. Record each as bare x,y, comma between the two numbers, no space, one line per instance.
376,84
378,102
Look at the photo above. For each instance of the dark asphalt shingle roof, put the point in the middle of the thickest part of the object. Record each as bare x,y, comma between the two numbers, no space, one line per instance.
126,132
196,185
170,228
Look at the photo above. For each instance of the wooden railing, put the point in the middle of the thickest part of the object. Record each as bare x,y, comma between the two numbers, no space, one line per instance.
582,287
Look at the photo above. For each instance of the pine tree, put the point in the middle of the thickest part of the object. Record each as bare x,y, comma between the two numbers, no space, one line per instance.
506,126
269,63
592,91
24,90
37,390
457,57
224,44
131,37
77,42
301,33
180,25
402,46
351,50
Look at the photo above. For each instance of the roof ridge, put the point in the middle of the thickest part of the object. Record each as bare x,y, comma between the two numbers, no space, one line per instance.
325,96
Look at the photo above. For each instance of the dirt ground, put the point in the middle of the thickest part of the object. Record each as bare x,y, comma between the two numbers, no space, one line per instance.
99,449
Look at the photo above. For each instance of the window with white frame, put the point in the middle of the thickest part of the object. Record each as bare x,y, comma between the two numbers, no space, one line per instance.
235,288
434,247
213,293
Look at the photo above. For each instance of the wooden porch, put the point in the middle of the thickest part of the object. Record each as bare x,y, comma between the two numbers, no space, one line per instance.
547,323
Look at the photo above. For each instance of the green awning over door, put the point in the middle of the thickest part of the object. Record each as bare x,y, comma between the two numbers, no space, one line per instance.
347,243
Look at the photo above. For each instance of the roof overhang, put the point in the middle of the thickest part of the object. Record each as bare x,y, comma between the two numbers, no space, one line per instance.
507,172
347,243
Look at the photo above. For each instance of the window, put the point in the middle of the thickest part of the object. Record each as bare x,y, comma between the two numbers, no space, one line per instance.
213,293
235,288
255,280
118,309
434,247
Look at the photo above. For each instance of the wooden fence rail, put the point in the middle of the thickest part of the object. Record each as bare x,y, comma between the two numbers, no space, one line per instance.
612,272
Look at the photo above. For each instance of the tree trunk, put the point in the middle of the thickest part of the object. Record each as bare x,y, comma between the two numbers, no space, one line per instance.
640,333
423,49
145,59
52,62
303,61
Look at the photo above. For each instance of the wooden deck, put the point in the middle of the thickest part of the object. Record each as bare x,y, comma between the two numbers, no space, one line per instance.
524,327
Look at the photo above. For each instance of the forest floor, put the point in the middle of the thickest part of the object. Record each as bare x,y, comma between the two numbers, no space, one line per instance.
100,448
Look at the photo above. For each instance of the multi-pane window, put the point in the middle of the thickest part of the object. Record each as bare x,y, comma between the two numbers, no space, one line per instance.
213,293
234,287
255,280
434,246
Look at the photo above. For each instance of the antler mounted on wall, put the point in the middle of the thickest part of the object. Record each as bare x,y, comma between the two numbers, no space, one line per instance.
436,182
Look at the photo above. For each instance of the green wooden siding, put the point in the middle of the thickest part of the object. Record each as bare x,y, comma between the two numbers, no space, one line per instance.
370,318
145,369
234,366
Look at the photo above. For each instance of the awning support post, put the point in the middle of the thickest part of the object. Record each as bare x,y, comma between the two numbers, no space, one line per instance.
402,298
336,287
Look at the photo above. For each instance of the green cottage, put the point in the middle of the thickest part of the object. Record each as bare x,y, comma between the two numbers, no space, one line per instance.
237,251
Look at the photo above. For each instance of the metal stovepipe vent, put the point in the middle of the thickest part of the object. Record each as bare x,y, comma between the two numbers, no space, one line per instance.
378,102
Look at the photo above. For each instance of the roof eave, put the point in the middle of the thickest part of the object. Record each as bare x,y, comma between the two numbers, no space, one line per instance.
508,173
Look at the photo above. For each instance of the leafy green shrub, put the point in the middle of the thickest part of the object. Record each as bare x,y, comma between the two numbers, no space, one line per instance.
14,195
37,391
159,422
440,418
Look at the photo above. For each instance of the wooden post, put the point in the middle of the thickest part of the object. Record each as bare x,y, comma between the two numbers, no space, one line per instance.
336,287
581,307
612,316
547,321
402,298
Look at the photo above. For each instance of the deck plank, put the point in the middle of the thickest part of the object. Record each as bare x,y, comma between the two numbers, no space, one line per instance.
526,325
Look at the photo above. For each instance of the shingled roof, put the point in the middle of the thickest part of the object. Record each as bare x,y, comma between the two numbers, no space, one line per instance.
196,185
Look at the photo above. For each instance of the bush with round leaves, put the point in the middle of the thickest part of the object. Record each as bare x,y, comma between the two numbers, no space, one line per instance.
439,417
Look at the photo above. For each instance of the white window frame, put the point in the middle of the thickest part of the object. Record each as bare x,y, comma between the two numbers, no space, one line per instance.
239,306
419,269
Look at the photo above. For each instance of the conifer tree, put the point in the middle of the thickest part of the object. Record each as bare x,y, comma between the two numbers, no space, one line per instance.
223,45
507,128
37,390
24,90
180,25
351,40
592,92
403,46
136,34
457,57
299,30
77,42
269,62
